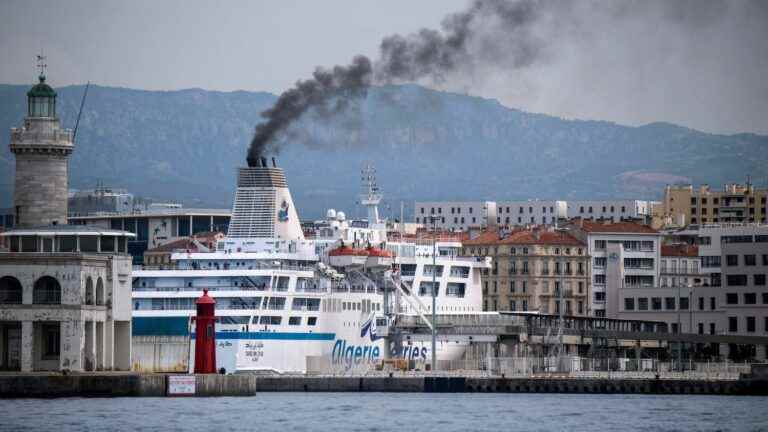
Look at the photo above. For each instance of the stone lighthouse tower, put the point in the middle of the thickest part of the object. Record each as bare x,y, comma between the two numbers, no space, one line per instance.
42,150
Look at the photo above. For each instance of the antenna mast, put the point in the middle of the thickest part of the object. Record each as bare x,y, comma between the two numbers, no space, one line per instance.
79,113
370,196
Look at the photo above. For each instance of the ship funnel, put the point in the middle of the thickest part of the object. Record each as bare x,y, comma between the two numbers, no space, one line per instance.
263,206
274,164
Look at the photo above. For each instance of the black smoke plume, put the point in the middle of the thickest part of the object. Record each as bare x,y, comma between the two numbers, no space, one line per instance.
494,31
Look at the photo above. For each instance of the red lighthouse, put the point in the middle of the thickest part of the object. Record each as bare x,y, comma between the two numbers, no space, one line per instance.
205,335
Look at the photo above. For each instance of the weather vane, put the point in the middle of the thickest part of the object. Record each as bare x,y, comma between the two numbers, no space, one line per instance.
41,63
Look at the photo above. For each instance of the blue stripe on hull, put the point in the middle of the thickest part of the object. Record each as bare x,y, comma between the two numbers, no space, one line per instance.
160,326
274,336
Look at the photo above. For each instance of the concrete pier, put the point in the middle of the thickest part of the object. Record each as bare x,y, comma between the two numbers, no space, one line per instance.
156,385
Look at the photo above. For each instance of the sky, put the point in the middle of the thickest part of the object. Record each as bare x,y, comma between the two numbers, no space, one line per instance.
701,64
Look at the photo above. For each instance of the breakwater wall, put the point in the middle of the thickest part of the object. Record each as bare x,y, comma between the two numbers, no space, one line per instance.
129,385
119,385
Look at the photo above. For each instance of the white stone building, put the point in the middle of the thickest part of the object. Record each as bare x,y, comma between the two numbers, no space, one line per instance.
461,215
65,300
614,210
625,256
531,212
731,297
455,215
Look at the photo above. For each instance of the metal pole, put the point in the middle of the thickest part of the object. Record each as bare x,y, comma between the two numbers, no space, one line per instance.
690,324
434,295
679,330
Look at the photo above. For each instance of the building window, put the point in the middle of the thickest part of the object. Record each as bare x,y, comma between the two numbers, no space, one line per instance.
525,305
599,244
701,303
732,298
732,260
512,286
629,304
701,328
750,324
669,303
712,303
733,324
684,303
656,303
642,304
736,280
749,260
512,305
750,298
51,340
525,287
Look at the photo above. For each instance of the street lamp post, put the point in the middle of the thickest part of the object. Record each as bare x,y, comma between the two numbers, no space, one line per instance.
690,308
679,331
434,295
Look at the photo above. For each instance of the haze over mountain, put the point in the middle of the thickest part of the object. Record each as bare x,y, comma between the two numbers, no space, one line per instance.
426,145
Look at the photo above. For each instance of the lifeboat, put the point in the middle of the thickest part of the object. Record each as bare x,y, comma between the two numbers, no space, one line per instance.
378,257
345,256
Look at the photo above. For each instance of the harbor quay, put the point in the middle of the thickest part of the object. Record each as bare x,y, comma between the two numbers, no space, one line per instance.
115,384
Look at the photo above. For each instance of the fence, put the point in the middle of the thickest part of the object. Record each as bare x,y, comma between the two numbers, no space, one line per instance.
583,367
160,354
532,367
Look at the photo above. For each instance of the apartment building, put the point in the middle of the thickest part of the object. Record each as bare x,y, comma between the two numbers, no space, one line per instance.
614,210
625,256
683,205
680,266
732,297
531,212
459,216
533,270
455,215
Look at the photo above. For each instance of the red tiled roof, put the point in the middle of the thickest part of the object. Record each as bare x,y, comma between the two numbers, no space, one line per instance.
530,237
615,227
679,250
485,237
181,244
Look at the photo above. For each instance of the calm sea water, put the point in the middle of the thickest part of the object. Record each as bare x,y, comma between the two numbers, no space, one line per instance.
389,411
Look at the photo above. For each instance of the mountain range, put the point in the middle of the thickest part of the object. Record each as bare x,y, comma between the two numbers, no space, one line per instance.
426,145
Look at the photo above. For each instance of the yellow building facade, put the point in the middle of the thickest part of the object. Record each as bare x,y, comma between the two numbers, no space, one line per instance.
684,205
529,270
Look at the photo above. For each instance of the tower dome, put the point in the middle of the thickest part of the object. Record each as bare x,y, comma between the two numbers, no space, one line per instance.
41,100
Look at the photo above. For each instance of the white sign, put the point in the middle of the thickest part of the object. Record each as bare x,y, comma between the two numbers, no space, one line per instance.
181,385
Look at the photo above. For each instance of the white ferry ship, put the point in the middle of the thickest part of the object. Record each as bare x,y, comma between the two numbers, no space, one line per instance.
286,303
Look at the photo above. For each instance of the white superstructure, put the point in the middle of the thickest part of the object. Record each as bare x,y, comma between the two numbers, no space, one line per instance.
287,303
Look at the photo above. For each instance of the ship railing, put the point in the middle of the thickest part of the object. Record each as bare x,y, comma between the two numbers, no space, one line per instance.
199,288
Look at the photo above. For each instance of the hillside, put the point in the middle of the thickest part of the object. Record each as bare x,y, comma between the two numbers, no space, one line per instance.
425,144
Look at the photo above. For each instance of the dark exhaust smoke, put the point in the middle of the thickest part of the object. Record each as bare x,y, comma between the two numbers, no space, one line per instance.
492,31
